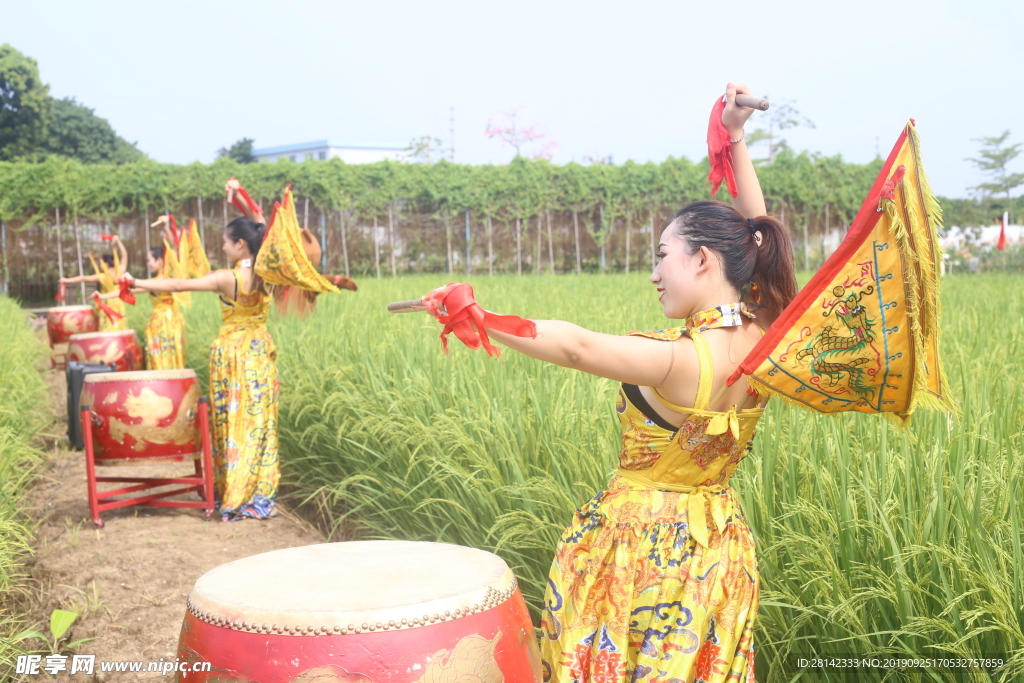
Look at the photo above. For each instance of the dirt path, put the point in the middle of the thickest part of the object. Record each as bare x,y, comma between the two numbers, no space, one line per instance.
129,580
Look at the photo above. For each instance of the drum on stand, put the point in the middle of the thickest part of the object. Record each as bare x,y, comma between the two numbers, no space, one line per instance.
140,418
145,416
360,612
120,347
64,321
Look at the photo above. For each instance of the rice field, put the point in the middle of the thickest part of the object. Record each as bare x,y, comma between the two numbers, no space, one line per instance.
873,541
23,413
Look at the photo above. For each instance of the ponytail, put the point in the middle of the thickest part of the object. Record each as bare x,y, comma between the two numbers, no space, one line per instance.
773,267
768,265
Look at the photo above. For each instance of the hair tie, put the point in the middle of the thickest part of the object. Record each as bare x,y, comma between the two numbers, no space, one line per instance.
753,226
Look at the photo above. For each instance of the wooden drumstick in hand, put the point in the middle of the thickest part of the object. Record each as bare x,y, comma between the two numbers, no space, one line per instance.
751,101
407,306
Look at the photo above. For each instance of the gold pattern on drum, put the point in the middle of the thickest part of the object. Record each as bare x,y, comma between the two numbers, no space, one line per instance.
153,408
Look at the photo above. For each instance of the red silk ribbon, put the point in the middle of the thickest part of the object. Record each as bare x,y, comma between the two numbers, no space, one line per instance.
254,208
720,152
174,230
112,315
62,293
125,293
464,317
106,238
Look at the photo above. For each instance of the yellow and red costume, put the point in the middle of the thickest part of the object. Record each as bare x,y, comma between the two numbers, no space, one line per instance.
656,578
165,331
244,393
111,312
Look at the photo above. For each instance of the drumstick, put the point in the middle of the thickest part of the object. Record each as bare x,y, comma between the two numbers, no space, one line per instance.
751,101
407,306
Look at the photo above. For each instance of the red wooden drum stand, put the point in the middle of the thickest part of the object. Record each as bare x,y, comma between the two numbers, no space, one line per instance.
64,321
120,347
140,418
360,612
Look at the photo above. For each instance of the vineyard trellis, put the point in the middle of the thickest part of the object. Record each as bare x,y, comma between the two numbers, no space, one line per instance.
389,218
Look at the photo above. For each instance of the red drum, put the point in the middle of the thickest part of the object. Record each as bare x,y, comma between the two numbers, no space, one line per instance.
141,417
360,612
120,347
64,321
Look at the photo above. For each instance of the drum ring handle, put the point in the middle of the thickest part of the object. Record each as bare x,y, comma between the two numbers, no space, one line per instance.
96,419
191,416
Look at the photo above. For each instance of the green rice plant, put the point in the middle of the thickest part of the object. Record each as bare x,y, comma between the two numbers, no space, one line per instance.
873,541
23,412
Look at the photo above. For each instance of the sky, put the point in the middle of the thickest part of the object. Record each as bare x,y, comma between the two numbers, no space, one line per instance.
631,80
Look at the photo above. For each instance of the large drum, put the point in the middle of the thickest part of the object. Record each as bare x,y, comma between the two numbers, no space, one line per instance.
120,347
361,612
64,321
141,417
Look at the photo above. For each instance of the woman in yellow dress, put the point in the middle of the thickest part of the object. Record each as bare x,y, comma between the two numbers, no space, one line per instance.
656,578
106,272
243,377
165,331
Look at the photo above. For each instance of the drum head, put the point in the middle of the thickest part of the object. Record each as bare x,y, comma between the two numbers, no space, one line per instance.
102,335
141,376
352,587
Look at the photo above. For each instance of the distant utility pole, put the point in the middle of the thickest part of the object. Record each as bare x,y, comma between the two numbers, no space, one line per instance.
451,131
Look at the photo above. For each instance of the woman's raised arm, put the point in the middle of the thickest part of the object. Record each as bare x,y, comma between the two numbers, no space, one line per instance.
750,200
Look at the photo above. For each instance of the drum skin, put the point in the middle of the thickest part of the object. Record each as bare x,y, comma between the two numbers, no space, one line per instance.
120,347
64,321
140,417
443,617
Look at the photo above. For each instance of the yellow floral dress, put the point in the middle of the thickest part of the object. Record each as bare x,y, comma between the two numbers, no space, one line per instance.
108,283
244,390
656,578
165,335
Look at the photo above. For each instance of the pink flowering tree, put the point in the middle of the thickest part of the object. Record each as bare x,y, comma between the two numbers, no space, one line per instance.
512,132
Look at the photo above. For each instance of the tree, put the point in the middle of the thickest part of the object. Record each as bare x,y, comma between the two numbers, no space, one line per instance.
513,134
25,105
241,151
780,117
993,160
425,149
76,132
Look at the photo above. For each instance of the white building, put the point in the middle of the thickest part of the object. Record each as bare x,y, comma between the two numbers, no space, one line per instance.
331,149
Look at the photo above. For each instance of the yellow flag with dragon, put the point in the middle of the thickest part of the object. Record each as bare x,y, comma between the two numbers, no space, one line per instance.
863,335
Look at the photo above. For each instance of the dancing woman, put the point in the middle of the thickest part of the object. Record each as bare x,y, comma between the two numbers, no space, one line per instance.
106,272
656,578
243,376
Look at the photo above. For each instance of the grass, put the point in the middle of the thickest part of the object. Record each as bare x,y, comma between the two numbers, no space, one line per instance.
872,541
23,412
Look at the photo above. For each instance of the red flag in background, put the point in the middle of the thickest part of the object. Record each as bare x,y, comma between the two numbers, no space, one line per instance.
1001,244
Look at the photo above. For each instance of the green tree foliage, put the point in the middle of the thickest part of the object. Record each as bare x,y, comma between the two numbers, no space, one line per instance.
75,131
241,151
992,160
781,117
25,105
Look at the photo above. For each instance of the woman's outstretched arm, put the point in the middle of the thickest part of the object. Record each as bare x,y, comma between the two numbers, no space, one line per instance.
80,278
634,360
750,200
220,281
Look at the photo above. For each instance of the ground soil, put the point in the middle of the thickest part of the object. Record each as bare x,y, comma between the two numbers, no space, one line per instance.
128,580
